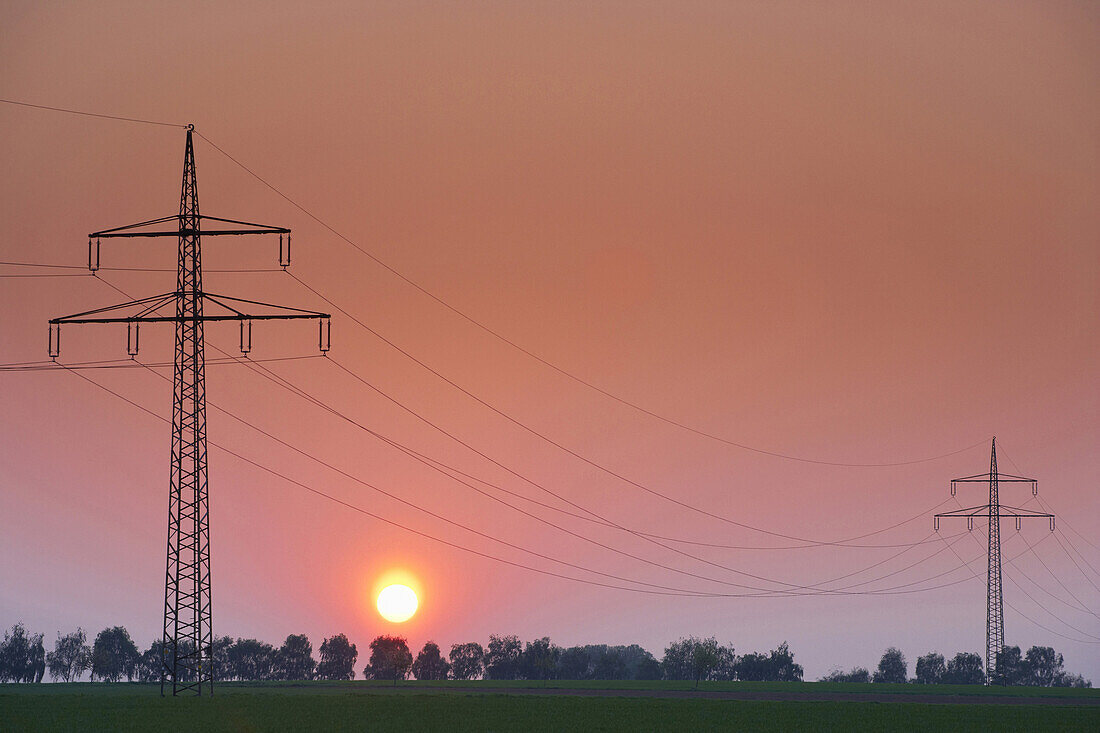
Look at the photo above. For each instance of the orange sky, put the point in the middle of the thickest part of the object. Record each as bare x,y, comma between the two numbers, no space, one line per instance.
854,234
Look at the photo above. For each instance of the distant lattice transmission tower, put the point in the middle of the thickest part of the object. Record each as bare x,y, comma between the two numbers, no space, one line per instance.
994,510
188,633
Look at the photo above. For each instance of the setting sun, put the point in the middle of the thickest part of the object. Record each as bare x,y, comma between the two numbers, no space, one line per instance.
397,603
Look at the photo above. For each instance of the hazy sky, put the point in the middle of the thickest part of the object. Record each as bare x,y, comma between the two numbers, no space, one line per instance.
855,233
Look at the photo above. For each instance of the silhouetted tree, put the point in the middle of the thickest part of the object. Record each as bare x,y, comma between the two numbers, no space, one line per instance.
777,666
114,655
704,659
600,661
539,660
1011,667
70,657
219,658
648,669
502,658
634,657
574,664
753,667
892,667
857,674
1064,679
1044,665
151,664
430,664
38,657
726,669
294,660
22,656
250,659
964,669
390,658
466,660
338,657
677,662
692,658
931,668
608,663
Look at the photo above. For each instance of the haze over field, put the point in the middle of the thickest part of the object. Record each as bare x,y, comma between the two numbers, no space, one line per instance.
849,234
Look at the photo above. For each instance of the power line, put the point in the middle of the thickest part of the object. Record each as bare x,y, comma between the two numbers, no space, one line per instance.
1080,554
1074,561
7,275
1080,604
305,395
1021,613
808,542
534,432
438,516
1063,523
486,328
1050,613
380,518
286,384
92,114
490,556
473,321
550,364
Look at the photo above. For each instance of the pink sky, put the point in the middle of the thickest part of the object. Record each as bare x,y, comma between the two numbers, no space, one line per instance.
853,234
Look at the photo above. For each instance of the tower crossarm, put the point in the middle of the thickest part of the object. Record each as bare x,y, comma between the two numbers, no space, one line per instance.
149,314
983,478
973,511
995,477
189,224
162,309
1002,512
110,313
135,230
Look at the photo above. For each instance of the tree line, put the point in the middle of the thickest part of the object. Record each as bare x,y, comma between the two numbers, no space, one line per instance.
113,656
1041,666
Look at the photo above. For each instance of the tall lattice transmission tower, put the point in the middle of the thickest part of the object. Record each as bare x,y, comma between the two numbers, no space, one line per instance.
188,633
994,511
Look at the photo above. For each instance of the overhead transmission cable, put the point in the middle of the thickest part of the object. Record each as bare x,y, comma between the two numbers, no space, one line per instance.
93,114
1012,564
305,395
1063,523
1018,611
479,324
762,591
1081,606
564,372
470,550
308,397
534,432
282,382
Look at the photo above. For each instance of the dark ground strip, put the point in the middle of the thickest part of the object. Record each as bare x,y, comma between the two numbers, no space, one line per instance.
769,696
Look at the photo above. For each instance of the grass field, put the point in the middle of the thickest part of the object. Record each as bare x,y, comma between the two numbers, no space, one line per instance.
419,706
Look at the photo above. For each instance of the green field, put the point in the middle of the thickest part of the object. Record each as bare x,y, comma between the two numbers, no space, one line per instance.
461,707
